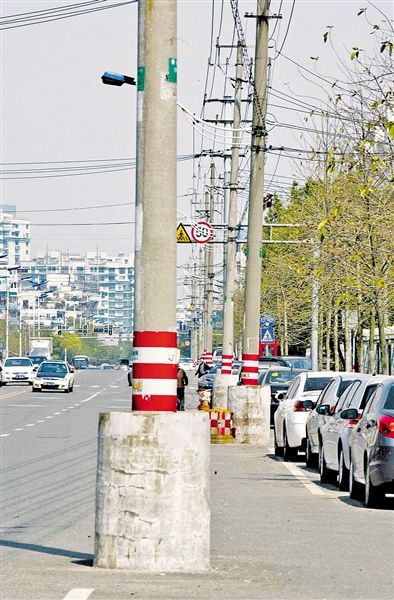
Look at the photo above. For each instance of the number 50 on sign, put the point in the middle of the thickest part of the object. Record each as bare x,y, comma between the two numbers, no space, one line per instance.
202,232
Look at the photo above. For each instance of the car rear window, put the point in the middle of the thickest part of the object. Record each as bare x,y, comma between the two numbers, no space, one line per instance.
52,368
281,376
389,403
17,362
316,383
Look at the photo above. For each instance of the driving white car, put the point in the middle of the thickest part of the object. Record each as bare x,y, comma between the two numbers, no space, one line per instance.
54,375
292,412
18,369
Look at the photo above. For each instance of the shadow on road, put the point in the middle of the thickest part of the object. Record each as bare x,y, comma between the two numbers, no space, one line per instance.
47,550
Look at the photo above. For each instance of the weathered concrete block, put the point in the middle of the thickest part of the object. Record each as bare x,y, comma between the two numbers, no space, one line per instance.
152,495
250,405
221,384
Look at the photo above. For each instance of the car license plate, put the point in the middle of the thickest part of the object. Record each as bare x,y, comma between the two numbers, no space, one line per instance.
20,376
50,383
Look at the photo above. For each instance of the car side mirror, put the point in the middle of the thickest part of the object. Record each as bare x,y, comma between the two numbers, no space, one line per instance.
349,413
323,409
72,369
280,396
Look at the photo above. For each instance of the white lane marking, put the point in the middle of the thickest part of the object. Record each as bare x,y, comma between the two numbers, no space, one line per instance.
30,425
40,421
19,429
76,404
49,417
90,397
113,386
94,386
78,594
304,479
5,434
26,405
64,410
57,413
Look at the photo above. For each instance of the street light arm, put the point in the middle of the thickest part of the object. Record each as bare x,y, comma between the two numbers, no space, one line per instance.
109,78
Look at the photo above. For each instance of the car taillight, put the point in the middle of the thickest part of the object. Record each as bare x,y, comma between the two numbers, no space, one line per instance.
299,407
354,421
386,426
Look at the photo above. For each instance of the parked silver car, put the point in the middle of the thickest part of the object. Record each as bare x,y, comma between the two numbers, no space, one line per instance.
316,419
372,447
336,432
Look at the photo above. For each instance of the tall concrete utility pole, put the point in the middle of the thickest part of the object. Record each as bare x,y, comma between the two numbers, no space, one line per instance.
250,346
155,340
231,250
152,495
208,272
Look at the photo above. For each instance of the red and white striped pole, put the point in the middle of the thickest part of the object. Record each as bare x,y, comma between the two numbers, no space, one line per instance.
155,340
227,364
250,369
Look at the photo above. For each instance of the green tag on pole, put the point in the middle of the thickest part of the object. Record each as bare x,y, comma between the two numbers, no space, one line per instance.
140,79
172,70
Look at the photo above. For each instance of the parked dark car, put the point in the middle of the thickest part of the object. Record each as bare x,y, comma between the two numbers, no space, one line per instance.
279,379
205,382
372,447
298,362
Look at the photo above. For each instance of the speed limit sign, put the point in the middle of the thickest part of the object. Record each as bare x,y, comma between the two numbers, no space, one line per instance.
202,232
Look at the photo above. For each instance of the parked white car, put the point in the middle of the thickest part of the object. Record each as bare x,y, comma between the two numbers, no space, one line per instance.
294,406
18,369
54,375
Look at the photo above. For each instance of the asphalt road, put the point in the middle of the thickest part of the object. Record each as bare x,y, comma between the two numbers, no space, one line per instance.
276,532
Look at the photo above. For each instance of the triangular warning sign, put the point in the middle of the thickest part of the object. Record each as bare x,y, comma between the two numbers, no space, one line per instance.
267,337
182,237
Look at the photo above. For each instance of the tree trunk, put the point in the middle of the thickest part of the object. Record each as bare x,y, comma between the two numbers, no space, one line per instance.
371,344
336,339
348,341
328,334
384,353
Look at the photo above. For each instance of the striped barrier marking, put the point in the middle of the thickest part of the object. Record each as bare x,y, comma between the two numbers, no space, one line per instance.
227,364
250,369
154,371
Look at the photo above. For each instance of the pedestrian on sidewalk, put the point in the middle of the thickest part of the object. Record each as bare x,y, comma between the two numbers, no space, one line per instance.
181,382
202,368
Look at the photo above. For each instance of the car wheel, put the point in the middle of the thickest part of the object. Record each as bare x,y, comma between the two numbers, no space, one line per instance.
34,389
354,486
343,473
311,459
72,388
326,475
288,452
66,391
278,449
374,495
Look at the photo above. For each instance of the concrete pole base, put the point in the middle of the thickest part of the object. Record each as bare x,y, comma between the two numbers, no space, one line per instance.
152,495
250,405
221,383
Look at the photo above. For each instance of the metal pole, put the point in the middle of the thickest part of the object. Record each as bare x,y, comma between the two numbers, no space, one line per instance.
7,316
155,341
20,321
209,273
229,289
250,350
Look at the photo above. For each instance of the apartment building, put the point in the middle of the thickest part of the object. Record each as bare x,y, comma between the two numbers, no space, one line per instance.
14,236
97,286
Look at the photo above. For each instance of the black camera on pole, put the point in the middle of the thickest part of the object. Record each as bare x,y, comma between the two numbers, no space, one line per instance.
109,329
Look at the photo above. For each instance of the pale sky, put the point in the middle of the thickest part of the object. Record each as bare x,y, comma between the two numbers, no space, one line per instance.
55,108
